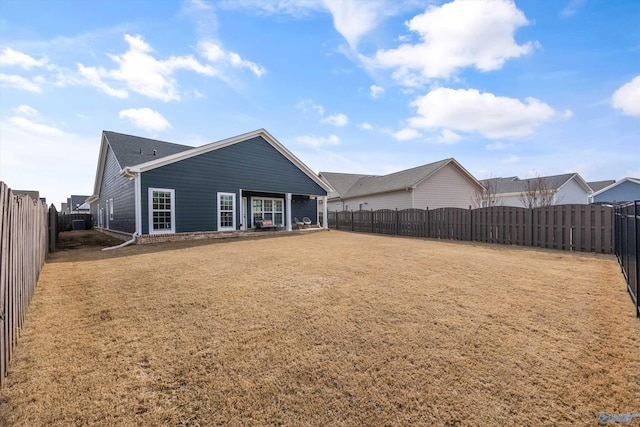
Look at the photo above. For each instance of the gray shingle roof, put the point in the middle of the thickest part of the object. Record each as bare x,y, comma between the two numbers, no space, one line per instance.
352,185
133,150
599,185
341,182
516,185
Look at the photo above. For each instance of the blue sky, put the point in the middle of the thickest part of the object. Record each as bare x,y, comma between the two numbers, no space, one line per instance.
361,86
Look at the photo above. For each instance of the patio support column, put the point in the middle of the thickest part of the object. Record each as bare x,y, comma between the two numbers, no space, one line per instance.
289,212
325,212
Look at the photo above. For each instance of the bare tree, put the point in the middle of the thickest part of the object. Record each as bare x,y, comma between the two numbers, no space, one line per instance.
538,193
487,197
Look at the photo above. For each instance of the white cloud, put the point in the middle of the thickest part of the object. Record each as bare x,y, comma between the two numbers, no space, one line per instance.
571,8
365,126
37,156
406,134
216,54
92,76
296,8
448,136
456,35
468,110
19,82
338,120
306,105
353,18
627,98
35,128
376,91
497,146
26,110
145,118
10,57
139,71
318,141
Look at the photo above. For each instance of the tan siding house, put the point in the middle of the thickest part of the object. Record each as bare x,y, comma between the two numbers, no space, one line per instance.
436,185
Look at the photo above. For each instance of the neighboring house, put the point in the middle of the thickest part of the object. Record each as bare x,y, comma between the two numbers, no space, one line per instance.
35,195
77,204
554,190
625,190
145,186
599,185
436,185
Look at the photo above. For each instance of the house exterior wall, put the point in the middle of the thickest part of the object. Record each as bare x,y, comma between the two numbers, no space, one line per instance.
252,165
571,193
392,200
335,205
510,200
447,188
121,190
626,192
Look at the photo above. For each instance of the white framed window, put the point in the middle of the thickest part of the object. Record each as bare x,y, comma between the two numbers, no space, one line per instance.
162,211
226,211
110,209
269,209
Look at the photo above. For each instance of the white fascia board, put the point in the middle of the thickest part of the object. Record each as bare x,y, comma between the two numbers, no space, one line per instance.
153,164
461,168
102,160
615,184
581,182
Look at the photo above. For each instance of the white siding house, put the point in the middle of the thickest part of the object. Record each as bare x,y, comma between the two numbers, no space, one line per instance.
436,185
562,189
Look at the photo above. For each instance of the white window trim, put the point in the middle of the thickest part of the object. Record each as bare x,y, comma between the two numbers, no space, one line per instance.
173,210
284,212
111,209
233,203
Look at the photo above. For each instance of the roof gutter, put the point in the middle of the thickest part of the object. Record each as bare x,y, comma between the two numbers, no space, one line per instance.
127,173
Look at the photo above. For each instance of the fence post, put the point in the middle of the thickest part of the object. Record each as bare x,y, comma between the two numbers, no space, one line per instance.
53,228
351,220
470,224
636,220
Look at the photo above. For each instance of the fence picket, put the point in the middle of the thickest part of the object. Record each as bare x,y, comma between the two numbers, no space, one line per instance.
584,228
23,248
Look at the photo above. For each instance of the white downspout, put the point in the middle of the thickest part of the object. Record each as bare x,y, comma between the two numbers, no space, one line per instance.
138,210
122,245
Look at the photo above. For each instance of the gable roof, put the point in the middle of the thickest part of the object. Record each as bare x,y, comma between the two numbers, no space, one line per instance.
136,154
599,185
615,184
409,178
76,202
515,185
133,150
340,182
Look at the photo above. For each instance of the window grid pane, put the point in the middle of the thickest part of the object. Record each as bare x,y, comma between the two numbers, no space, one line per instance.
161,210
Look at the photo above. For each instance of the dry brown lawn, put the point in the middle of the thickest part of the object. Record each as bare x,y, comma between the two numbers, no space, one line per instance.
326,328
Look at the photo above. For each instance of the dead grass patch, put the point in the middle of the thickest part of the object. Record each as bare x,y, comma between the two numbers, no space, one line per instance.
329,328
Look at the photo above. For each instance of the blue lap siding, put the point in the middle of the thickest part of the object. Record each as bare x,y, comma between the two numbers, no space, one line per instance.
252,165
121,190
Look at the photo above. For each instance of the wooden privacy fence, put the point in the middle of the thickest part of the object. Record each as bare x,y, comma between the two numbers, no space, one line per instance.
627,231
584,228
23,248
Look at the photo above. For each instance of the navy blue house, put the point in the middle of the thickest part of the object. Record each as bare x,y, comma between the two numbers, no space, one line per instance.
144,186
